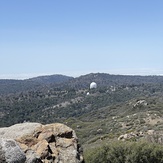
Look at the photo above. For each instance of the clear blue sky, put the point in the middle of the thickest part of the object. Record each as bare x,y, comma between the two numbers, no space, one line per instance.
75,37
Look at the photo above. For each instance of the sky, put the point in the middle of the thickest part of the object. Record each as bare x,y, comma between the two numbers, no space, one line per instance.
76,37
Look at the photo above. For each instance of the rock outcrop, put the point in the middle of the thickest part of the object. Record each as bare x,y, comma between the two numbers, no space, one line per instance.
10,152
52,143
130,136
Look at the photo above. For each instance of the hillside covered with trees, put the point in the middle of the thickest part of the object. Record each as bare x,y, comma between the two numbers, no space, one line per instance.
122,107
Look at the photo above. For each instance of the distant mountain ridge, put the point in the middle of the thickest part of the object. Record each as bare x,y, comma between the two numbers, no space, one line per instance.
8,86
50,79
104,79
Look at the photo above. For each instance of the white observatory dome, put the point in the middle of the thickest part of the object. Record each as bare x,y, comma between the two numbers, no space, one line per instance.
93,85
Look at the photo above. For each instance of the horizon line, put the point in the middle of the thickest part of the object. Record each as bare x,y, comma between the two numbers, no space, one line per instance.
26,76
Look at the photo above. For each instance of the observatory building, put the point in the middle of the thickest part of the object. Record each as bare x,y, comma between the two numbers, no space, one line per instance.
93,85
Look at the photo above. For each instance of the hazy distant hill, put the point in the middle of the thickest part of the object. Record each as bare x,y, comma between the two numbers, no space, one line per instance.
51,79
82,82
103,79
15,86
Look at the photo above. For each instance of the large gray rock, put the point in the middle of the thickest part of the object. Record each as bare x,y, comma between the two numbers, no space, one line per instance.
52,143
18,130
10,152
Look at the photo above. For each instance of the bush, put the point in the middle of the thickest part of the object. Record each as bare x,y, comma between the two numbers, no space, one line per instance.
125,152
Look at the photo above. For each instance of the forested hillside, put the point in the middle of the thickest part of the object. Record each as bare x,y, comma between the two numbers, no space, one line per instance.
119,105
8,86
59,97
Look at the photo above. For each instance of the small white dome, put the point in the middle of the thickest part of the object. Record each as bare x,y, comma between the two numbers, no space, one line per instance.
93,85
87,93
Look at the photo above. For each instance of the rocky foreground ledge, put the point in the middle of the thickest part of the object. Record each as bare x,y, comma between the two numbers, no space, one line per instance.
37,143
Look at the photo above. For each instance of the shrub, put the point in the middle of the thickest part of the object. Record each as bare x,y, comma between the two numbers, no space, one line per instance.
125,152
